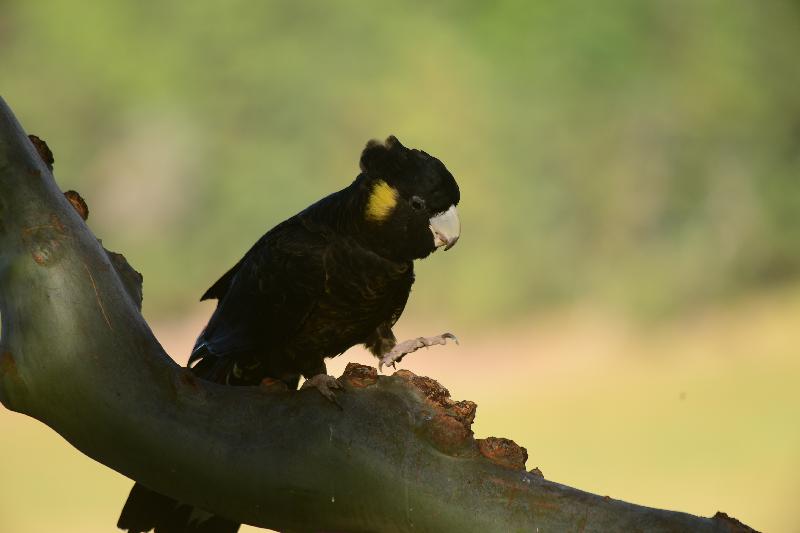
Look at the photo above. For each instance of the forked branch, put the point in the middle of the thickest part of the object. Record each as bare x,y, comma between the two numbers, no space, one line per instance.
77,355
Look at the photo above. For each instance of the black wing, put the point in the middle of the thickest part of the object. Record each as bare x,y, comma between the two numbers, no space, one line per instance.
267,296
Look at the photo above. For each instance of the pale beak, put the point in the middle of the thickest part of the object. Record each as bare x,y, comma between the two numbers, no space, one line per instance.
446,228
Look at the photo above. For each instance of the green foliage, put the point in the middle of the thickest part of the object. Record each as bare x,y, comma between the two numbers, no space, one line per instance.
644,153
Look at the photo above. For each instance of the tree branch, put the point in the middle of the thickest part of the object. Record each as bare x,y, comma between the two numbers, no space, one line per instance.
76,354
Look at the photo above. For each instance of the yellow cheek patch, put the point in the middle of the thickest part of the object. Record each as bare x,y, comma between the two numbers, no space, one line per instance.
382,201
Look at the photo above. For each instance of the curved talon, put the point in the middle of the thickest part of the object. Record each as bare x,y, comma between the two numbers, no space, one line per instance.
450,336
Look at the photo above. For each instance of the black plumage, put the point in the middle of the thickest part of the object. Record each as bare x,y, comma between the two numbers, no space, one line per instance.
335,275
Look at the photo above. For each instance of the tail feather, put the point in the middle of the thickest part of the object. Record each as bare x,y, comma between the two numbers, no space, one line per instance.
146,510
210,366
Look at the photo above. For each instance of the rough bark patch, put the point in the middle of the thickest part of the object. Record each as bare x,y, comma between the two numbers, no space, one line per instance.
448,434
359,376
465,411
504,452
430,388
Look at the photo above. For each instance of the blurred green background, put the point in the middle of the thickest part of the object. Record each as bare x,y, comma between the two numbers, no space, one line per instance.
630,177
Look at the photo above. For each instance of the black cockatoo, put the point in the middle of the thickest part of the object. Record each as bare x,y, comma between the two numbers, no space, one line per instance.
335,275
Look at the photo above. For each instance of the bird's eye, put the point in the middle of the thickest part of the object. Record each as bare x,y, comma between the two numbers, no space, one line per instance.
417,203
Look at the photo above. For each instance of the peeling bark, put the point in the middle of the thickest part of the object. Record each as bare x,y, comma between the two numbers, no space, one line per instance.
77,355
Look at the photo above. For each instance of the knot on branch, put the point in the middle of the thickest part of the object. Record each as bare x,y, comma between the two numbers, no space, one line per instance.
47,246
44,241
131,279
43,150
536,472
732,525
78,203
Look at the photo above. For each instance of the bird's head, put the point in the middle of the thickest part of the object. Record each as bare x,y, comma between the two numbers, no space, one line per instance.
411,199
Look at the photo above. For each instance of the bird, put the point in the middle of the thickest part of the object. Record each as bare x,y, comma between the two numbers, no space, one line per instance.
335,275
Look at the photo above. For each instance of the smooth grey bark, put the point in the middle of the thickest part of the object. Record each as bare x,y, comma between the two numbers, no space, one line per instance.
77,355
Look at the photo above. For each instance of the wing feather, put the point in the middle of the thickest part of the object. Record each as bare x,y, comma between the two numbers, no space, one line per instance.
267,295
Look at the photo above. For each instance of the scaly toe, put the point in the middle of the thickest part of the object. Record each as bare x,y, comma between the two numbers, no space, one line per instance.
324,383
402,349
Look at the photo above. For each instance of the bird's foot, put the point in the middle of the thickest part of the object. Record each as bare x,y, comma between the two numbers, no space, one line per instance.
324,383
404,348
